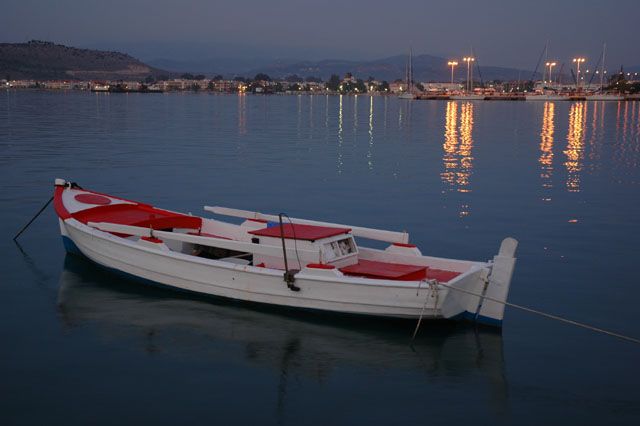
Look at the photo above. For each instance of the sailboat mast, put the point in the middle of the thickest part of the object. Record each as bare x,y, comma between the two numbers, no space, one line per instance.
410,83
604,48
546,60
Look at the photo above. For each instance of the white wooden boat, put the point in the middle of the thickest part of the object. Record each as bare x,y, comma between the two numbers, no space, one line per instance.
302,264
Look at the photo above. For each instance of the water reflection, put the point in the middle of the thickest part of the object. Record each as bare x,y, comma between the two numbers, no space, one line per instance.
466,143
626,121
242,114
546,146
355,115
450,145
370,151
340,140
458,142
597,132
627,150
311,111
575,145
290,344
637,104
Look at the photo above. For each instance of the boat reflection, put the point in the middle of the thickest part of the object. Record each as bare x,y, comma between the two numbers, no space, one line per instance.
546,147
292,343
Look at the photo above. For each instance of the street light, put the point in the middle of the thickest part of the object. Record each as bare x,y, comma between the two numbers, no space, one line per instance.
577,61
468,61
550,65
452,64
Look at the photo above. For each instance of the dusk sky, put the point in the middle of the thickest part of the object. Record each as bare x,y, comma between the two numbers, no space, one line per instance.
502,32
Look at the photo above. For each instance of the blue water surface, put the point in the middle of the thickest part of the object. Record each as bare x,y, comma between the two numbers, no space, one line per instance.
82,346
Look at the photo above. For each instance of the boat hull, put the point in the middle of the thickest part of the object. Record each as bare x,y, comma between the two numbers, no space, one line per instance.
319,290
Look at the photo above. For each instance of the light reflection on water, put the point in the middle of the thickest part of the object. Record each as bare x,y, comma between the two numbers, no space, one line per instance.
575,145
457,158
546,147
369,153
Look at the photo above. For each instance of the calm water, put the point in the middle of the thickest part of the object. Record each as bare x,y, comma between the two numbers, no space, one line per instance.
81,346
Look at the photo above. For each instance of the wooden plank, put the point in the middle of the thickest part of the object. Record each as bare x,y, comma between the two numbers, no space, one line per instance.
306,256
358,231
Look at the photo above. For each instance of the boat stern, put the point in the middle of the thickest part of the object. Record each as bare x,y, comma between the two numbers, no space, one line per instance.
492,306
480,296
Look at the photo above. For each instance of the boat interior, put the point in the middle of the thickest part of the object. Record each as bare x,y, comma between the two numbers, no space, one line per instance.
260,243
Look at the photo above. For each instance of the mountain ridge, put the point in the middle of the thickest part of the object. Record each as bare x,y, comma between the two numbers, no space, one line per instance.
426,68
46,60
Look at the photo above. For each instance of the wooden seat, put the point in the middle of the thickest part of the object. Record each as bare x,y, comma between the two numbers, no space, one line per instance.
397,271
386,271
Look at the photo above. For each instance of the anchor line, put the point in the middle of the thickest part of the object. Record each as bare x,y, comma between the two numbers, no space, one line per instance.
544,314
432,289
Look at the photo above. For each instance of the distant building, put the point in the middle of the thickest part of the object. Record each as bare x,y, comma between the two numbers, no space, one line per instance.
397,87
59,84
224,85
315,87
349,79
23,84
441,87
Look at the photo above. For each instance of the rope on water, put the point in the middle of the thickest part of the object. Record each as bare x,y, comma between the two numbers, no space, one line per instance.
32,219
432,289
533,311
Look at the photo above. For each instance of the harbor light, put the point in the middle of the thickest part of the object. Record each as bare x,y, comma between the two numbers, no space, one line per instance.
452,64
550,65
578,61
468,61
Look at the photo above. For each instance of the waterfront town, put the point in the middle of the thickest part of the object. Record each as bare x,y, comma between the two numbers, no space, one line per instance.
626,85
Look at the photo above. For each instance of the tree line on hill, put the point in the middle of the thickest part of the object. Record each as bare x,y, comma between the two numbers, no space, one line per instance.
290,83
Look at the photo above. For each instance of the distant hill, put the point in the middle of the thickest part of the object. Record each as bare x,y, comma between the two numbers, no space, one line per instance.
426,68
44,60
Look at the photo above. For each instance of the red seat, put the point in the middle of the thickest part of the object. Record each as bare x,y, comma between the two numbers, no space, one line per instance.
386,271
397,271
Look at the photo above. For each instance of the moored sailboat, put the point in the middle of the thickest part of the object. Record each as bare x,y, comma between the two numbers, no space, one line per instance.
408,94
603,95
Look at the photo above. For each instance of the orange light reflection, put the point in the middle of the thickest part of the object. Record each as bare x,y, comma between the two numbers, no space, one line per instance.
546,146
575,145
450,144
457,158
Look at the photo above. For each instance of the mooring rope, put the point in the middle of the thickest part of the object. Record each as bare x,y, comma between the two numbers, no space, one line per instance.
32,219
554,317
432,288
